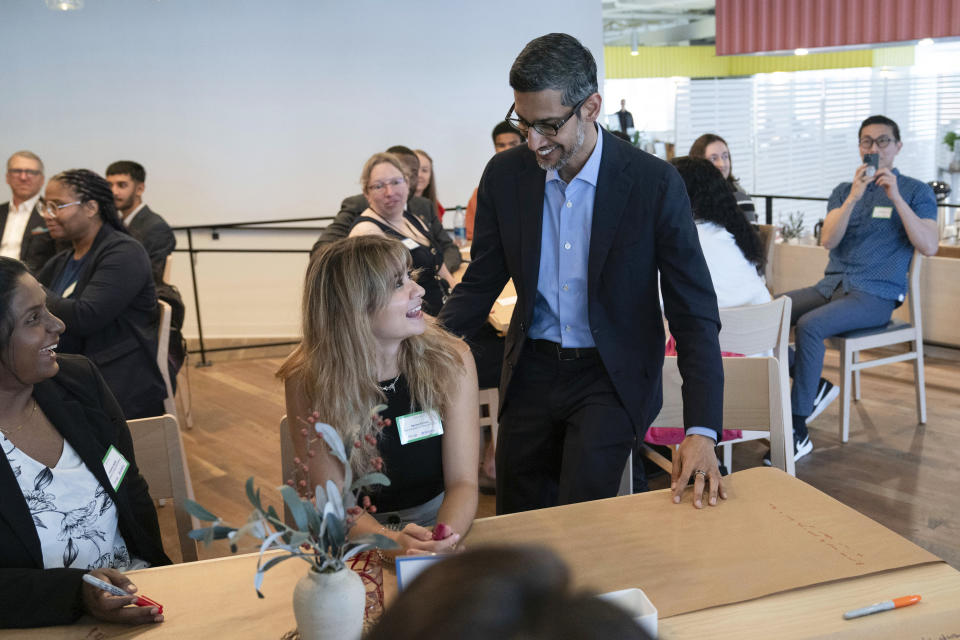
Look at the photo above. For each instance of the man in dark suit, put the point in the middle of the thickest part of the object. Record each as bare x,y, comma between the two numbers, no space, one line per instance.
23,232
583,235
128,181
353,206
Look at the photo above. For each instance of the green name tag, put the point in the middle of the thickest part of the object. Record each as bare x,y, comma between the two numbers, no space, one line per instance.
419,426
882,212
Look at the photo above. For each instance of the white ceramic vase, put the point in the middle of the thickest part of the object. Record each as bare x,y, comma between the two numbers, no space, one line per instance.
329,605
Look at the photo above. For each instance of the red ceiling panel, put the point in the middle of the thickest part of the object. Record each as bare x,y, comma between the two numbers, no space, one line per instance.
752,26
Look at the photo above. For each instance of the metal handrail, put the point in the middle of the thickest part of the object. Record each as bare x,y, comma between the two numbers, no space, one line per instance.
768,201
257,225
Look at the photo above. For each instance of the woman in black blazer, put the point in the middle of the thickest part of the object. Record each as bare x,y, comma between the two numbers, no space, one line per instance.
102,288
61,514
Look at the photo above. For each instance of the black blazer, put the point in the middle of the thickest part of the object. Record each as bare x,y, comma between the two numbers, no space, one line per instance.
112,318
157,238
353,206
641,224
37,246
81,407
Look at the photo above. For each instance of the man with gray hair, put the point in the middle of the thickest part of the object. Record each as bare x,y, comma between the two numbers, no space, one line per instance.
583,222
23,232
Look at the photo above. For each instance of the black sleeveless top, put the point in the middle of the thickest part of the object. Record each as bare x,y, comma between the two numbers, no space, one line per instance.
415,469
428,259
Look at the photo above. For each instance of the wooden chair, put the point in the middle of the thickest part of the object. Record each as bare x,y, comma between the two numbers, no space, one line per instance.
756,390
163,346
287,454
895,332
760,329
490,398
768,234
167,267
159,451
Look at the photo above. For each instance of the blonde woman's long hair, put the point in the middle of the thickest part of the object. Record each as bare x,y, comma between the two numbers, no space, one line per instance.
347,282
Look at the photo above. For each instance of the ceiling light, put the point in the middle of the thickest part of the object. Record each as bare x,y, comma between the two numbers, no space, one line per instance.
800,52
64,5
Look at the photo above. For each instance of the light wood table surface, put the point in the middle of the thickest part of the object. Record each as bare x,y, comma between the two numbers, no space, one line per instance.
609,545
779,559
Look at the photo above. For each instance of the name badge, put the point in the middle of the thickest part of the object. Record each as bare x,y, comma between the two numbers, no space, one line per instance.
116,467
882,212
410,243
69,290
419,426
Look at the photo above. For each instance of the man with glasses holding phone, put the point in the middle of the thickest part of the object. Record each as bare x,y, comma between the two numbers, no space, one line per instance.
872,227
583,222
23,233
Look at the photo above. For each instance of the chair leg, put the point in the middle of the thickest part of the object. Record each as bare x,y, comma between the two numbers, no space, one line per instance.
856,375
728,456
920,384
845,382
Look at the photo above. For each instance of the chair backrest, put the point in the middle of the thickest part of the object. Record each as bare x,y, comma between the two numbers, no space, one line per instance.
287,454
767,233
757,328
756,390
159,452
913,291
167,267
163,347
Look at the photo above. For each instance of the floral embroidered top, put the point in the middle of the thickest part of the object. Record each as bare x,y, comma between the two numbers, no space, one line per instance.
76,519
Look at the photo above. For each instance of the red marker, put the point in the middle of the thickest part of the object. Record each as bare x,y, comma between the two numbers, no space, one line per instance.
886,605
141,601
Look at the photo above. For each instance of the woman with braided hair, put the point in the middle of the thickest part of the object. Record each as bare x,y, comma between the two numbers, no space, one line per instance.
102,289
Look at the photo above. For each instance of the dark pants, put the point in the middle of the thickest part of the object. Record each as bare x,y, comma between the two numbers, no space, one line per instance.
564,435
817,318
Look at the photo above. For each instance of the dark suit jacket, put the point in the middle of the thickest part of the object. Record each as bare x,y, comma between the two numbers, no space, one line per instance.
112,318
37,246
81,408
641,223
353,206
155,235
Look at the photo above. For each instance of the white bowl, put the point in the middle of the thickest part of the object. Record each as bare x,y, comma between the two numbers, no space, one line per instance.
636,603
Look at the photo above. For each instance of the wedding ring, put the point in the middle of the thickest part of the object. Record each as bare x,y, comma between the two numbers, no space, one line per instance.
700,472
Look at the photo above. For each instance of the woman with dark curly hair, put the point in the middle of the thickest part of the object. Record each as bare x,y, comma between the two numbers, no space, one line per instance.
733,250
102,288
712,147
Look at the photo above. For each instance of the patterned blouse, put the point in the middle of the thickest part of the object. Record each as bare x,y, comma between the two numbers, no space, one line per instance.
75,517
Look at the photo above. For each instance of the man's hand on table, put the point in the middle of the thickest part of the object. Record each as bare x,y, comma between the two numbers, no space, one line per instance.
697,453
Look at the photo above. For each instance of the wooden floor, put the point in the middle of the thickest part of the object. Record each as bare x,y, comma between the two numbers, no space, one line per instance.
905,476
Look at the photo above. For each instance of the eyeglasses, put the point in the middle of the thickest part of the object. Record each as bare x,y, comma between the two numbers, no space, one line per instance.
377,187
542,127
51,208
882,142
32,173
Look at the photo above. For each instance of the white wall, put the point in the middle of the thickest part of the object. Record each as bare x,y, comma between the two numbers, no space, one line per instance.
245,110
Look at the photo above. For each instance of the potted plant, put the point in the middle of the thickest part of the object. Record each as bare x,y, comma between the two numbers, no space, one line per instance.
950,139
792,229
328,601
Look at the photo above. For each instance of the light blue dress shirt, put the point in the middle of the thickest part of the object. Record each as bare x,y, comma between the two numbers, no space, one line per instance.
561,312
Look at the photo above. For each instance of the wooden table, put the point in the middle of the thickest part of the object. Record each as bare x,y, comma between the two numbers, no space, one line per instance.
768,540
778,559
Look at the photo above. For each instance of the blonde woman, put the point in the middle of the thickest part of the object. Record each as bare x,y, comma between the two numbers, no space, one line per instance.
366,342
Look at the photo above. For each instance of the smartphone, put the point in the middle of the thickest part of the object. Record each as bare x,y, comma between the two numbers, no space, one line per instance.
872,160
